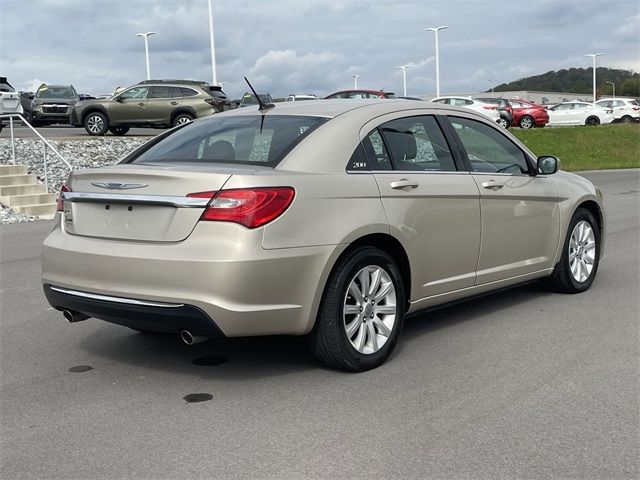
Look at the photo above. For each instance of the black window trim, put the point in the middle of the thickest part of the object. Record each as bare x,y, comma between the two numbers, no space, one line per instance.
461,152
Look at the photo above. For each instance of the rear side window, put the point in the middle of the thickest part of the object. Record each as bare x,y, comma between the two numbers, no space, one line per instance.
164,92
255,139
417,144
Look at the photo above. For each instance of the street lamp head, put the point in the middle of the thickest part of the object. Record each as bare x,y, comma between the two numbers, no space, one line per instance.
145,34
404,67
593,54
436,29
355,76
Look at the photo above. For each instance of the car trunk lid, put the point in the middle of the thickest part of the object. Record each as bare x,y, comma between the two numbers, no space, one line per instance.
141,202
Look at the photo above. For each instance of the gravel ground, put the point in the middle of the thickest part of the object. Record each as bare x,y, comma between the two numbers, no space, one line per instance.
81,154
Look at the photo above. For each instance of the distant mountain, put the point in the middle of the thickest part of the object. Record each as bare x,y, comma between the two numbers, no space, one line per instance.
579,80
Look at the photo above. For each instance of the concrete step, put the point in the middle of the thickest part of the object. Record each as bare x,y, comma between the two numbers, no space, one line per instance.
37,199
45,210
9,190
18,180
13,170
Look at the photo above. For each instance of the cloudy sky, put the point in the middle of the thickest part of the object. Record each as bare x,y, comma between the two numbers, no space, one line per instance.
311,46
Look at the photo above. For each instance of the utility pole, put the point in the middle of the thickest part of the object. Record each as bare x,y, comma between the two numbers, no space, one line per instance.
594,55
436,30
404,78
355,81
214,76
146,36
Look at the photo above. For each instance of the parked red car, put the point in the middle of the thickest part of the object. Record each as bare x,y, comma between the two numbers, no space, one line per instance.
361,94
528,114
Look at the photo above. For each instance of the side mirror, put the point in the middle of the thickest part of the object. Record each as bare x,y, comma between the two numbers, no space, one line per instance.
31,97
548,165
119,99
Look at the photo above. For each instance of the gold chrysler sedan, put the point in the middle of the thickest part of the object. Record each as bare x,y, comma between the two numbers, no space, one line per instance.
330,219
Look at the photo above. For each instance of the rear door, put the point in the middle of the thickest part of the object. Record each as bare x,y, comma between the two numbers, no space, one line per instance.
162,101
130,106
520,211
432,207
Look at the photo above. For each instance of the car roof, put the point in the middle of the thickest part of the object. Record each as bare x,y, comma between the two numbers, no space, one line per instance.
334,107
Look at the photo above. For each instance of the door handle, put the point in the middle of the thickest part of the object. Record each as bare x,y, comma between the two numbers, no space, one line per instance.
492,185
403,183
141,104
174,103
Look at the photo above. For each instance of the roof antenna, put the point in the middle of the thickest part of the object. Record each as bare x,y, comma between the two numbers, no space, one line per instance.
263,106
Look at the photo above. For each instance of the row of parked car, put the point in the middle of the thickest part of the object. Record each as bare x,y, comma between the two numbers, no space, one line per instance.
168,103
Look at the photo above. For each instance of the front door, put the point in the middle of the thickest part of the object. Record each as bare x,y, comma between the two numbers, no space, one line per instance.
130,106
432,207
520,211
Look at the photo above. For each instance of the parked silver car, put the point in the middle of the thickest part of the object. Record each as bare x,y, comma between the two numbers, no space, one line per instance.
330,219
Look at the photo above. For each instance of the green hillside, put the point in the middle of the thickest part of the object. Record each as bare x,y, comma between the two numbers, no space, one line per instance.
579,80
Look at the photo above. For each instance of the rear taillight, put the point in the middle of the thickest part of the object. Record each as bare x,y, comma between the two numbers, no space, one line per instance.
60,201
251,207
487,107
635,108
212,101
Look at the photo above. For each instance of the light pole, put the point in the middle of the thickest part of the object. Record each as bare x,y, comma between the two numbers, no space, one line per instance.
214,77
355,81
404,78
436,30
613,84
146,49
594,55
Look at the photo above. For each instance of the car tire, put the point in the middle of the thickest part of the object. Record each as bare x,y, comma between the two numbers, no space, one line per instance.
119,131
374,324
96,123
503,123
572,274
593,121
182,119
626,119
526,122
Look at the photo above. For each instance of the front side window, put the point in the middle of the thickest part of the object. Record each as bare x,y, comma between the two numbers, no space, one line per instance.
259,139
487,149
135,93
417,144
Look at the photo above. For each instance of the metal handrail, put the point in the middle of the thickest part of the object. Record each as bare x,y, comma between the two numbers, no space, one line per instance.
45,144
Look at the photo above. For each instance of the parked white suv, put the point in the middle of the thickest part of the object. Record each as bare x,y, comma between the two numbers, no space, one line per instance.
625,110
9,99
579,113
487,109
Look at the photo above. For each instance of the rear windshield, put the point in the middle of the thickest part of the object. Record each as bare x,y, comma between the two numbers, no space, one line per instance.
256,139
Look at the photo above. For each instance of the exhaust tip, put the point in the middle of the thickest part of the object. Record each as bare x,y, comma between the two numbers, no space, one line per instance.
72,317
186,337
189,339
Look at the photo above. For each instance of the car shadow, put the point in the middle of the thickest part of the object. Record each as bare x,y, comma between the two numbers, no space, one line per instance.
240,359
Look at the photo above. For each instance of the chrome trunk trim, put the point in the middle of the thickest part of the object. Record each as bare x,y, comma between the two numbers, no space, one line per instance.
167,200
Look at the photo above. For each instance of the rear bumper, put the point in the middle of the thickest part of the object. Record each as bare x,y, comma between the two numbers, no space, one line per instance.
159,317
221,270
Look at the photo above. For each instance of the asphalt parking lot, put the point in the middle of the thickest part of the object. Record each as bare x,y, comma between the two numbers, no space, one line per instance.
519,384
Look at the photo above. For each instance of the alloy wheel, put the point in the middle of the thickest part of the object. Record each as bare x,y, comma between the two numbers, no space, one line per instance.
526,122
582,251
183,120
95,124
369,309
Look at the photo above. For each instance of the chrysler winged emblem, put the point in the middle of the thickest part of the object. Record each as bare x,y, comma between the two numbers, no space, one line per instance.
118,186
